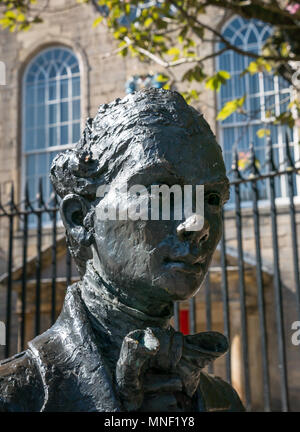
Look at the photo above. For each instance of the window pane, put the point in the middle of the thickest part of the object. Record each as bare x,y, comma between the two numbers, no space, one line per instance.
65,56
41,94
283,83
52,72
76,109
255,108
284,101
64,71
29,139
64,88
240,86
64,111
53,137
71,60
41,115
42,164
30,95
270,103
252,37
30,165
29,117
238,62
52,90
76,132
75,69
40,138
64,139
268,82
228,138
76,86
253,84
52,113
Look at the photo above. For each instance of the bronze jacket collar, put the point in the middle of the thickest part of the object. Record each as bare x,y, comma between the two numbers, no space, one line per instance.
72,369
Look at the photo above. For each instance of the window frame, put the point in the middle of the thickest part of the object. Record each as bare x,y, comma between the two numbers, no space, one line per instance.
48,149
263,121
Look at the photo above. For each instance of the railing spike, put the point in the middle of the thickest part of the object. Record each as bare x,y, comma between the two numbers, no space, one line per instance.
40,196
288,155
235,162
27,202
12,195
253,167
270,159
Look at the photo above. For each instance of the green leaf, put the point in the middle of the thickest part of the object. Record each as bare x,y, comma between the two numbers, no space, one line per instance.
162,78
263,132
173,51
21,18
285,49
148,22
194,94
259,65
97,21
190,95
158,38
10,14
224,74
285,118
215,82
127,8
230,107
195,73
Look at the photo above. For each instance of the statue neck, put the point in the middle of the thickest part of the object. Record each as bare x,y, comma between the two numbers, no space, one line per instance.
112,319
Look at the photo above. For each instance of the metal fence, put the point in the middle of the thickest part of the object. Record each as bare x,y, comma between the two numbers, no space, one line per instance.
23,227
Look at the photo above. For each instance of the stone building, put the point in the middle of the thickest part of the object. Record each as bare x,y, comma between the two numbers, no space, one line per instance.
57,74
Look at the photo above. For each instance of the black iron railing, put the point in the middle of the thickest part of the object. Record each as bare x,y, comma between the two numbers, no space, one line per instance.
19,234
254,176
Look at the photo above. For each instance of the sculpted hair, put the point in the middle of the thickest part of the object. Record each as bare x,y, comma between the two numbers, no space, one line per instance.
109,145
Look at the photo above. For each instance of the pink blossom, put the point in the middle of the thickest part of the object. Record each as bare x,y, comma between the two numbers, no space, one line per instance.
293,8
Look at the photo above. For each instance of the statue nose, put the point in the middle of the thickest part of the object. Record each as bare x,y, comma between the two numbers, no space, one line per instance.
185,231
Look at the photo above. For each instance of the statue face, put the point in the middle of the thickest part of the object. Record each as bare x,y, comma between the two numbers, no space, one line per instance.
151,259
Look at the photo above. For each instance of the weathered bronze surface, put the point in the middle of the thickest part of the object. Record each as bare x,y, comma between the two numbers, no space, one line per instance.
113,348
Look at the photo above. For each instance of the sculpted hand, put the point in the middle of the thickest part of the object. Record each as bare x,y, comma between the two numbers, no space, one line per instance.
137,349
138,384
156,365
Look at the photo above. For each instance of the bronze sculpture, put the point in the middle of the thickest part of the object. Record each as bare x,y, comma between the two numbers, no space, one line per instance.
112,348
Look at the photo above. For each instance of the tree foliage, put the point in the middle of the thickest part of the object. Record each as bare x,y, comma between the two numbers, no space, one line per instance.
169,33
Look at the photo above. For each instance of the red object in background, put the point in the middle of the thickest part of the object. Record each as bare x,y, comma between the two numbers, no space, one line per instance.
184,321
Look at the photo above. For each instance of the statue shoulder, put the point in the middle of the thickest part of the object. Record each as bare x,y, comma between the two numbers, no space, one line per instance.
215,394
21,387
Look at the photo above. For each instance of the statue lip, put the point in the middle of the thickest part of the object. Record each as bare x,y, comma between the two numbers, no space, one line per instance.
185,264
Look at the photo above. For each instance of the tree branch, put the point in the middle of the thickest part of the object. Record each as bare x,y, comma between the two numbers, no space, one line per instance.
174,63
226,42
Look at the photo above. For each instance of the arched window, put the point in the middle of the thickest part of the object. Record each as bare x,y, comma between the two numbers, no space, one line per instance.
267,96
51,112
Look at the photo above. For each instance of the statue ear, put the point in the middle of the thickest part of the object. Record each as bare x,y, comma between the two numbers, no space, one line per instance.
74,214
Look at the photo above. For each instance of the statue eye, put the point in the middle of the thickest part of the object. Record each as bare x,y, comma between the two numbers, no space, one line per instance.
214,199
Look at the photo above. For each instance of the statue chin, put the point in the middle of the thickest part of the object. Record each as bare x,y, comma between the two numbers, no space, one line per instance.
180,285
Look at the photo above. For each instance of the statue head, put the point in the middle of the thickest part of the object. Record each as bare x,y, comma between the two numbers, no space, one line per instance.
152,137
